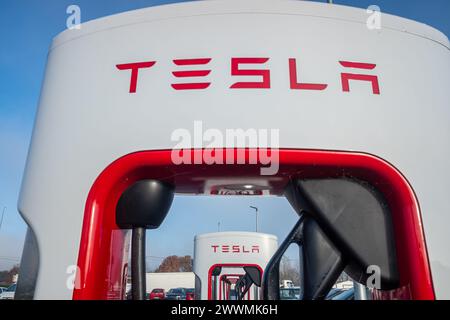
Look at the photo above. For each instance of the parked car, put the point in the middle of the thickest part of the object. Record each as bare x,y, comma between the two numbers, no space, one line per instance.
190,294
157,294
333,292
345,295
9,293
290,293
176,294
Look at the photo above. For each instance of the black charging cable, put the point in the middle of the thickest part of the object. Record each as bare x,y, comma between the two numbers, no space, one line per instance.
142,206
138,280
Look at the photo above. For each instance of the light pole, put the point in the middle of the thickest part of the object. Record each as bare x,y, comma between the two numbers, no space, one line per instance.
3,214
256,215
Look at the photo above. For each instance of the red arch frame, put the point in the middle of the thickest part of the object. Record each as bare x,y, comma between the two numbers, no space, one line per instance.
229,265
220,281
101,260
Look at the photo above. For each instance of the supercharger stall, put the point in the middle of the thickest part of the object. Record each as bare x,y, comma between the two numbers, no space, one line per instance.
362,116
220,259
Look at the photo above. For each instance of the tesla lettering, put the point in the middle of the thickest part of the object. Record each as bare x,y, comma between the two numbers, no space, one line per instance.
235,248
255,68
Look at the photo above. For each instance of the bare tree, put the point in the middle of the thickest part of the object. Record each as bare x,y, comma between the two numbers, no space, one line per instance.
6,277
289,270
175,264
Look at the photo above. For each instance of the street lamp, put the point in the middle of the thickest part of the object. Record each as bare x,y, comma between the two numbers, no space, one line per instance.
3,214
256,215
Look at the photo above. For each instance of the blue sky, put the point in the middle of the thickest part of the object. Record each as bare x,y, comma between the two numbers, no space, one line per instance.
26,30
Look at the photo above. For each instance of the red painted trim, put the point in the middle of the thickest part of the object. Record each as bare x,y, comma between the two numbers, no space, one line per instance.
134,67
191,86
191,62
301,86
228,265
358,65
346,77
191,73
263,73
100,258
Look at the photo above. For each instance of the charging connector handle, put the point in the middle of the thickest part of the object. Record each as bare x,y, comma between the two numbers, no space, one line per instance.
144,205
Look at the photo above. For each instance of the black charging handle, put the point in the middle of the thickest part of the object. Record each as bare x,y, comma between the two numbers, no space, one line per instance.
144,205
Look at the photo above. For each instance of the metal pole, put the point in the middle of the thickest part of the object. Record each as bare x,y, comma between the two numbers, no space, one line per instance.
256,215
360,291
3,214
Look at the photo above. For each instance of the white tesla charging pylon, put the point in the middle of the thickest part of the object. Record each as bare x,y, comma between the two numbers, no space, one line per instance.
351,103
220,259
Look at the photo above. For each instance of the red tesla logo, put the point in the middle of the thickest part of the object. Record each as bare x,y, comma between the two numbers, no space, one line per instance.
190,74
238,69
235,249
